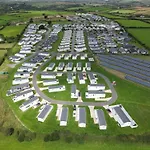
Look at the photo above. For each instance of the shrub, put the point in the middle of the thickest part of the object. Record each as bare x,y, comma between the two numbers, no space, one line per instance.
68,139
9,131
46,138
21,137
55,136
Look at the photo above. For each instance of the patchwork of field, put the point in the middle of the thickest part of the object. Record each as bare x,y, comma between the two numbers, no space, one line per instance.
10,31
133,23
141,34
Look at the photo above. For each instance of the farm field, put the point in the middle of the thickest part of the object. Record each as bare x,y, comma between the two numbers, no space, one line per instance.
10,31
133,23
6,45
123,11
141,34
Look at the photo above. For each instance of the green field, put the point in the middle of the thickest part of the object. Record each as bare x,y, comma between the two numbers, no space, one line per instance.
133,23
141,34
6,45
123,11
10,31
96,144
2,54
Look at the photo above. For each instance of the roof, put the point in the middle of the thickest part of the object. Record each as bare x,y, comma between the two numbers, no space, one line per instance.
69,76
64,114
52,80
73,88
101,117
61,64
79,64
44,111
51,65
30,101
91,76
55,86
24,92
121,114
80,75
97,85
82,115
48,73
96,92
21,86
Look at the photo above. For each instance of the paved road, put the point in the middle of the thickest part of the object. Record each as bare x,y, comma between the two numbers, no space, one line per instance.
43,96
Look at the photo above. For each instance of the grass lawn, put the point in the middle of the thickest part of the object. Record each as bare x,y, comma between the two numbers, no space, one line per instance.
12,144
10,31
6,45
141,34
2,54
133,23
123,11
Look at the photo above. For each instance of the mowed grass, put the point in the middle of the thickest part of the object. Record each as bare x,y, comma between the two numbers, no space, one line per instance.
10,31
2,54
6,45
133,23
10,143
141,34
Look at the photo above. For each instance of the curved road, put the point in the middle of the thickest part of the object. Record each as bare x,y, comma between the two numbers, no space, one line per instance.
43,96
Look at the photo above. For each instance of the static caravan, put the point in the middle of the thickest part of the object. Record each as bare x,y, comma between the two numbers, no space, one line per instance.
88,66
50,82
25,69
70,77
81,78
122,117
57,88
20,81
64,116
29,64
95,94
81,117
61,66
74,56
18,88
51,66
22,75
79,66
92,78
58,57
20,55
29,103
74,92
23,95
96,87
44,113
100,119
69,66
48,75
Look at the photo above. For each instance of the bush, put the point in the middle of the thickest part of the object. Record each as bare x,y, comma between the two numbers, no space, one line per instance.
21,137
80,138
9,131
46,138
68,139
55,136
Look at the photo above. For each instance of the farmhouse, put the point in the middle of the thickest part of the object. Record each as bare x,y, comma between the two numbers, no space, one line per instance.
100,119
64,116
44,113
81,117
79,66
22,75
50,82
70,78
51,66
61,66
18,88
92,78
57,88
20,81
30,103
95,94
96,87
120,115
48,75
88,66
23,95
81,78
74,91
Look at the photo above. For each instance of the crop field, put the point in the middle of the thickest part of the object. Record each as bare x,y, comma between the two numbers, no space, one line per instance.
141,34
133,23
6,45
10,31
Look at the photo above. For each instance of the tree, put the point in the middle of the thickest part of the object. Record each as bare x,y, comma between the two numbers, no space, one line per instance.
21,137
54,136
68,139
31,20
41,27
49,22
